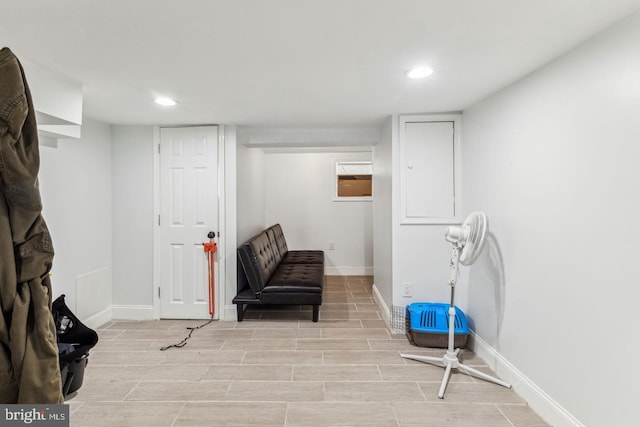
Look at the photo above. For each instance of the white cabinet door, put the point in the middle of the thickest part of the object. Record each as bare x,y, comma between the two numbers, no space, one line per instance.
429,169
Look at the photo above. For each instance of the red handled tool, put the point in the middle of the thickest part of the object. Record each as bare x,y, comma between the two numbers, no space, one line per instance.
210,249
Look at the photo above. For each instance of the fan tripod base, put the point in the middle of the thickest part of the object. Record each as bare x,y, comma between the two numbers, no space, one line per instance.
450,361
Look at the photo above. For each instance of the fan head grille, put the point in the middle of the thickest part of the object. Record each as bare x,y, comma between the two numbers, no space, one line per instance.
475,229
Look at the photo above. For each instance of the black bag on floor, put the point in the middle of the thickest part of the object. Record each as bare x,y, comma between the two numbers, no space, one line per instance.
74,342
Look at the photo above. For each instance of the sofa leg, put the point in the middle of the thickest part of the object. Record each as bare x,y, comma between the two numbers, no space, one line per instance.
240,309
316,310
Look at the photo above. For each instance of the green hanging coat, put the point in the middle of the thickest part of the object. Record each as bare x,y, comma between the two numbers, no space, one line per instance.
29,370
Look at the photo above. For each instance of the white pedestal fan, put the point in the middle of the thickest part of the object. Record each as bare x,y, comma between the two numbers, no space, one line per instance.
468,242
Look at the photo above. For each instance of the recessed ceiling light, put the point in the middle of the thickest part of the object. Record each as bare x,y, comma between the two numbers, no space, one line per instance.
167,102
419,72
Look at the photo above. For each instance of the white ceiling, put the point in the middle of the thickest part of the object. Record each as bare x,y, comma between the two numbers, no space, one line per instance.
293,63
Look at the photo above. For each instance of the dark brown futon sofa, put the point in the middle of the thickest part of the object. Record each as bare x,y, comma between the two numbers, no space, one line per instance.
269,273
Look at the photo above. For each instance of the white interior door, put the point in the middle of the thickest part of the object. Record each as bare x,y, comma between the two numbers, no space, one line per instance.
188,212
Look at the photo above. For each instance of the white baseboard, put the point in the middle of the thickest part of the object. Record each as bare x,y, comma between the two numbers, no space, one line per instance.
98,319
93,293
386,313
550,410
132,312
230,312
348,271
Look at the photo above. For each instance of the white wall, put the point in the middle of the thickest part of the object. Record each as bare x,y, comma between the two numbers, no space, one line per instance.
382,207
75,183
416,256
228,241
299,195
132,192
553,161
421,254
250,190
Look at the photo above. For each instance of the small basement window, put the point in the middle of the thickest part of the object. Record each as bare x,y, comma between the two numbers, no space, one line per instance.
354,180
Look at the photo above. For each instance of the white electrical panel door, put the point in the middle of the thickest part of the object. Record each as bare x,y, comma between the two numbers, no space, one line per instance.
428,155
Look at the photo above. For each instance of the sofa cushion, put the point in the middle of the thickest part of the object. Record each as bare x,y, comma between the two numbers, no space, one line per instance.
300,278
303,257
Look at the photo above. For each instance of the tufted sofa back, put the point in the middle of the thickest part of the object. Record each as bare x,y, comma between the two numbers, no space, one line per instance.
278,242
260,256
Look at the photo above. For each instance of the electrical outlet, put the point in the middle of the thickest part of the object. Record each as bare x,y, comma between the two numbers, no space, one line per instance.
332,246
407,289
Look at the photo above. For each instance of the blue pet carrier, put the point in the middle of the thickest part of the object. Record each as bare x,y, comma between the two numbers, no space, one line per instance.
427,325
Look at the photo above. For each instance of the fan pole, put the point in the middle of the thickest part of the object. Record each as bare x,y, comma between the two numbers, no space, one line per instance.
453,279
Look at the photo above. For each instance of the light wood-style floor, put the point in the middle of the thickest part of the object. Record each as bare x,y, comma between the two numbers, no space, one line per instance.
278,368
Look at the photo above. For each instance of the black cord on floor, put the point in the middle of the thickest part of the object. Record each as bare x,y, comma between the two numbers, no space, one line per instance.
184,341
